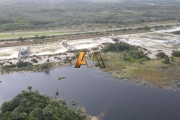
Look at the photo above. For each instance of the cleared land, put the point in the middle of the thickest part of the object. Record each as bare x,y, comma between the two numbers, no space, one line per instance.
152,41
154,72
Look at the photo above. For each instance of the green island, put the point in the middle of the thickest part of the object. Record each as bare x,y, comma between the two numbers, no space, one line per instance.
31,105
131,62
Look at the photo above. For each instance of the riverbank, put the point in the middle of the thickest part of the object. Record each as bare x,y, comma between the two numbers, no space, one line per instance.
37,63
153,72
46,66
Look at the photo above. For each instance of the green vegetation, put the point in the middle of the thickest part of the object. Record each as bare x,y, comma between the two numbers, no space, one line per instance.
73,102
159,72
176,53
34,106
161,55
26,66
61,78
67,60
166,60
22,39
177,32
34,60
19,64
68,14
37,35
128,52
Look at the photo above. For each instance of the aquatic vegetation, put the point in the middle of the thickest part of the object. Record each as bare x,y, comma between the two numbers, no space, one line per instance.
61,78
155,71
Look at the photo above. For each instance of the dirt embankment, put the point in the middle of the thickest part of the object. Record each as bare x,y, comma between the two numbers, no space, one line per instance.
60,37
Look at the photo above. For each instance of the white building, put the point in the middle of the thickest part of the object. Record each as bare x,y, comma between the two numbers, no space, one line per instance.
24,52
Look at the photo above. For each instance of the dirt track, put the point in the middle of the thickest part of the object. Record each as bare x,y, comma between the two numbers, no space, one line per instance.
59,38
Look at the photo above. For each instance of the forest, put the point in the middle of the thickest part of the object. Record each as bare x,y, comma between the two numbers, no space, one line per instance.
44,14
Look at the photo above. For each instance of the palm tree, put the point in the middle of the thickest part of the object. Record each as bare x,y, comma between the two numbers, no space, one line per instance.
29,88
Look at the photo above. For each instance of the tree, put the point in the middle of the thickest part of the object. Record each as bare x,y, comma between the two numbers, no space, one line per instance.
34,106
29,88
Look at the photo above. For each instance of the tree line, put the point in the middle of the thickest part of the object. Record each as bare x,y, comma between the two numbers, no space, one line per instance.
19,15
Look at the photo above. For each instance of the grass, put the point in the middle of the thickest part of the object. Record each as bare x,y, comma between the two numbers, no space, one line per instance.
11,35
159,34
155,72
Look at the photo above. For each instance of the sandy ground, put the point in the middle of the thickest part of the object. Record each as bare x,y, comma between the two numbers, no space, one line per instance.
94,118
169,30
153,41
50,48
41,59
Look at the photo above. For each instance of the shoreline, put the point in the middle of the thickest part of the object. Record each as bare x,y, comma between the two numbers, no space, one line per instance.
125,72
137,80
31,71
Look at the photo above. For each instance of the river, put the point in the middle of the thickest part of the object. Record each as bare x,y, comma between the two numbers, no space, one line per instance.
98,92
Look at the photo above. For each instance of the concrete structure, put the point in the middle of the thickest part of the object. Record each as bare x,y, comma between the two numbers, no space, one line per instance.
24,52
114,39
67,46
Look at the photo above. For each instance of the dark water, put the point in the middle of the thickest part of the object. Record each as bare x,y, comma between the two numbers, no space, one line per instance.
98,92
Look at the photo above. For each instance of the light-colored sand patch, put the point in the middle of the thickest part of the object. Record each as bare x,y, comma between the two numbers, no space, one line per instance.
153,44
84,46
168,30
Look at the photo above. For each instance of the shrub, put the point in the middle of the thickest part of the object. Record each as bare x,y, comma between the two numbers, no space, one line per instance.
166,60
161,55
22,64
34,60
176,53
